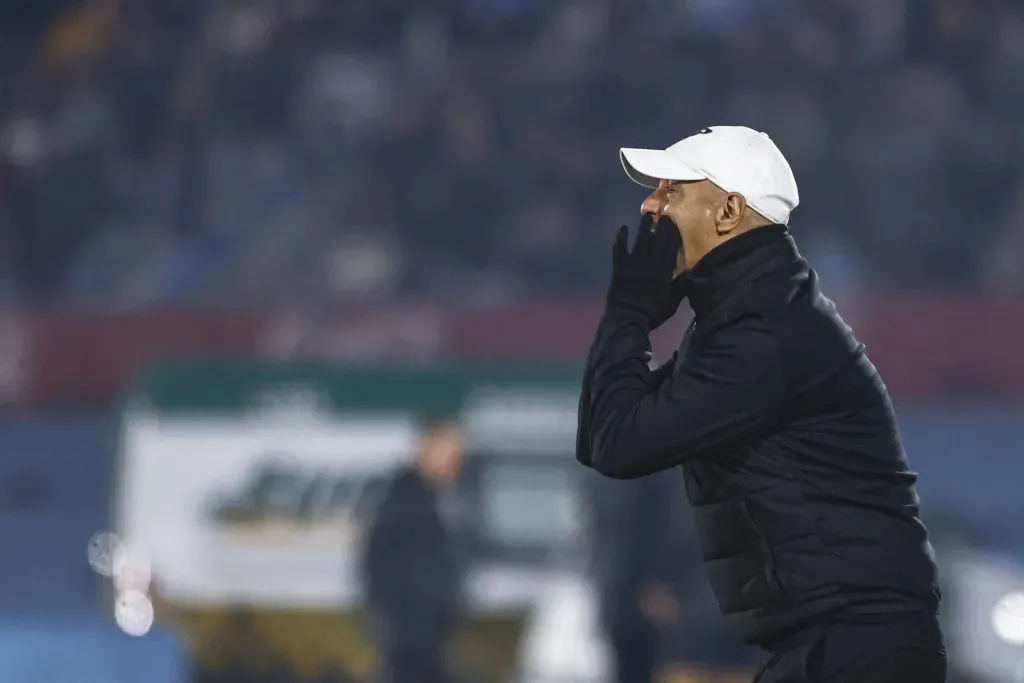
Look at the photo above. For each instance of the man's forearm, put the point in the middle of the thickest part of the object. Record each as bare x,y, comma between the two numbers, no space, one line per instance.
724,391
618,361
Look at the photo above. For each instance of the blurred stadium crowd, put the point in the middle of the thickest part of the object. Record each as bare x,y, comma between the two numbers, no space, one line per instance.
249,151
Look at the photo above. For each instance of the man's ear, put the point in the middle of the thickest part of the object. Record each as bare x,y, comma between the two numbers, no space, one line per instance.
730,213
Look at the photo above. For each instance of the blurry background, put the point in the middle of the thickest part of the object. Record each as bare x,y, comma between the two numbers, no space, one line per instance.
245,242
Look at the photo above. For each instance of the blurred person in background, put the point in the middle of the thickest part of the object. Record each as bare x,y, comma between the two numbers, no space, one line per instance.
701,648
637,560
411,571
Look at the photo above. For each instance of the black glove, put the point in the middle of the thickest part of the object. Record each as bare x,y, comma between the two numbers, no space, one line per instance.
642,280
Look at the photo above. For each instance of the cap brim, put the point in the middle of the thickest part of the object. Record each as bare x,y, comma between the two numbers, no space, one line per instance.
648,167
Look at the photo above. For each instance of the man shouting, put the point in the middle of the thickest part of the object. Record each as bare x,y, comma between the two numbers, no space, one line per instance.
805,506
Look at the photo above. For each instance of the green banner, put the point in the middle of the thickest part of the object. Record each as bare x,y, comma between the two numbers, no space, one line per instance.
434,391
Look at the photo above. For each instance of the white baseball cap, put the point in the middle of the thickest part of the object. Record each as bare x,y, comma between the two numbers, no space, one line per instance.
735,158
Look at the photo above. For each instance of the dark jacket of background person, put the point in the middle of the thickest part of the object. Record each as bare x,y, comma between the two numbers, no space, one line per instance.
637,540
411,570
639,534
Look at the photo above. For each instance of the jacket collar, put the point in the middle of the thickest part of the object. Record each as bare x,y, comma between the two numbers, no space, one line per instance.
738,263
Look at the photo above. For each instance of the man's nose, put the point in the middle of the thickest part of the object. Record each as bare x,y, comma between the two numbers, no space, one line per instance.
653,204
